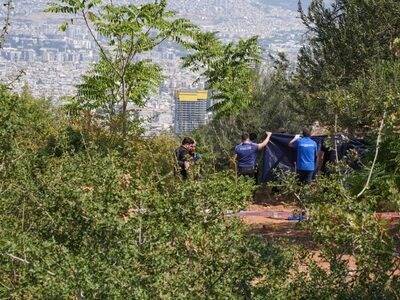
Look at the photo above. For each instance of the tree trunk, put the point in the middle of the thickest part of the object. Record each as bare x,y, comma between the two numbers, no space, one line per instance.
124,110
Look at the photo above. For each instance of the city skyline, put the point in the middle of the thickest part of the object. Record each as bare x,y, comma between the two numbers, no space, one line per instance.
53,61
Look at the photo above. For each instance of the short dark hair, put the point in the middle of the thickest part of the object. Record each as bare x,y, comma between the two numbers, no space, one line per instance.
281,130
245,136
253,136
187,141
306,131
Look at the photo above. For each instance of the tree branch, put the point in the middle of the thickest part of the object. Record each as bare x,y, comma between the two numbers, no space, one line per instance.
6,25
17,78
95,39
378,142
27,262
335,140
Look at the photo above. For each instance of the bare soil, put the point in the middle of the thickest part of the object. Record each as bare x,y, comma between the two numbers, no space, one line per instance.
285,231
276,228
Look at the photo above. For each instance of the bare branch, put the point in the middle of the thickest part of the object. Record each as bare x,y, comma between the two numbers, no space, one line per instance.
335,140
6,25
94,37
16,79
378,142
27,262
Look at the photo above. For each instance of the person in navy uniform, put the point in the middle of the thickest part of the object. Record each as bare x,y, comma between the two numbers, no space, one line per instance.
246,154
306,155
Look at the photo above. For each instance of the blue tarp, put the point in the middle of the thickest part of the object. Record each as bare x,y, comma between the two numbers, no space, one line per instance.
279,156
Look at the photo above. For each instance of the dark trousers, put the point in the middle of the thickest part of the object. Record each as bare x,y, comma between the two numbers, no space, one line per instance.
185,174
305,177
247,171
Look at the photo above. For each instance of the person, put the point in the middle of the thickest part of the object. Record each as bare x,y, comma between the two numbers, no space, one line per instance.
253,139
246,153
306,155
184,155
281,130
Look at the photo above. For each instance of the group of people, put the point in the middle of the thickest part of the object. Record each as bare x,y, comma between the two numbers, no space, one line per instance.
245,155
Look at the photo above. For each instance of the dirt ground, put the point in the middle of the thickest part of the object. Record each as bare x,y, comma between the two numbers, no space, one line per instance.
276,228
288,232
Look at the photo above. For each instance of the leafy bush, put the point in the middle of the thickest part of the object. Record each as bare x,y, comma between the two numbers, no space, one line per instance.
120,224
355,254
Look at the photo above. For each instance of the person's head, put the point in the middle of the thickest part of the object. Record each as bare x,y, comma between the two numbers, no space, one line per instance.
245,137
281,130
192,147
253,136
189,143
306,132
345,130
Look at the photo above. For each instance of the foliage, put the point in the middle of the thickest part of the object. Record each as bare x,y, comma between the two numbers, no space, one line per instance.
101,87
344,42
385,182
122,78
24,123
356,252
95,225
83,221
371,100
229,70
88,214
362,105
270,109
10,119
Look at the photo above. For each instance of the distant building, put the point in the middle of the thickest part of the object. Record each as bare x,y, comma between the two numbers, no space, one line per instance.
190,110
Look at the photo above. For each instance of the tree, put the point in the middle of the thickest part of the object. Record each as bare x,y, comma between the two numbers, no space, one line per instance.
229,70
344,41
122,76
270,109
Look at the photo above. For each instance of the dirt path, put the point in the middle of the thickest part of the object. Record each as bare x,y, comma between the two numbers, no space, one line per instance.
273,228
276,228
288,232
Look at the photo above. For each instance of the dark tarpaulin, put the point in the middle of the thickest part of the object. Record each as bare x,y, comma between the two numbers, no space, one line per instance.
279,156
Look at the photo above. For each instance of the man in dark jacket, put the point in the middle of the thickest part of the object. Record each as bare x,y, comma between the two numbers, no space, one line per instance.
246,154
184,155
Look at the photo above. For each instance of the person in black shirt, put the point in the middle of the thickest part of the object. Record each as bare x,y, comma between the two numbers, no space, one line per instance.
184,155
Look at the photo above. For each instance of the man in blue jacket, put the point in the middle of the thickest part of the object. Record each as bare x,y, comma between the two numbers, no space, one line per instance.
246,154
306,155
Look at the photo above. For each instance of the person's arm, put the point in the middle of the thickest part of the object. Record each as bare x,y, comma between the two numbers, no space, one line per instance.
234,157
265,142
296,137
183,159
233,160
178,157
181,163
186,164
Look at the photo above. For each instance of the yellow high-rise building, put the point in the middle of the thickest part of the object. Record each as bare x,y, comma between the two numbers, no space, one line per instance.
190,110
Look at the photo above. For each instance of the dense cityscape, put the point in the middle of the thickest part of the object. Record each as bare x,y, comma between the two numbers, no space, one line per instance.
51,62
